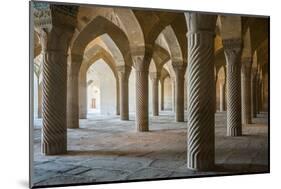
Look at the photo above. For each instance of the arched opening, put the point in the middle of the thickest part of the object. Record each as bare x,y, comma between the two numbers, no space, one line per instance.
101,91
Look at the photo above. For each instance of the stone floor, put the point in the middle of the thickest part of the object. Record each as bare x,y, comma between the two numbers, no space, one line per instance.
107,149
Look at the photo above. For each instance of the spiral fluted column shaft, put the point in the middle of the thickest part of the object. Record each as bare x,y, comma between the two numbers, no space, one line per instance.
200,130
232,51
246,91
54,103
83,97
124,93
55,44
162,94
179,93
39,101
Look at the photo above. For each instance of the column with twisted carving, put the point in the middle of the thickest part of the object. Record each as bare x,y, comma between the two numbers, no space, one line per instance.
162,93
55,25
246,90
141,67
200,130
123,74
232,51
72,91
155,98
179,91
253,92
39,100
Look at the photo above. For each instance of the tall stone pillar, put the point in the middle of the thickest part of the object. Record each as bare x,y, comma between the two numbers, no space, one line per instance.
232,51
173,94
155,97
179,91
83,95
258,94
124,73
72,91
246,90
40,100
222,100
55,25
201,119
117,97
254,92
141,67
162,93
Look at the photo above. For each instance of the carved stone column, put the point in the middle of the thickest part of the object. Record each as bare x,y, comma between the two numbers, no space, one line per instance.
179,91
258,95
254,92
246,90
222,100
162,93
40,100
117,97
55,25
173,94
83,96
201,119
232,51
124,73
72,91
155,98
141,66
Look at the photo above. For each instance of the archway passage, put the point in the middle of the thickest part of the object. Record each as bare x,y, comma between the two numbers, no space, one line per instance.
140,94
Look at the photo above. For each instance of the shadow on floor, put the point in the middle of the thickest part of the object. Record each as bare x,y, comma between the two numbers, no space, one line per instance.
241,168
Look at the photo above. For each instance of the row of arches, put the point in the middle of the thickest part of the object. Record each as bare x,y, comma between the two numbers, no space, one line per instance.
155,45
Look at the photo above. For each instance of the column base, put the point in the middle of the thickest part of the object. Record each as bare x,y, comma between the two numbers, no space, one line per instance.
54,149
142,127
234,132
124,118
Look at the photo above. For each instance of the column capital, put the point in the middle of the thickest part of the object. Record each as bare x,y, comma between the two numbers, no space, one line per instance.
140,64
200,22
47,15
232,46
123,69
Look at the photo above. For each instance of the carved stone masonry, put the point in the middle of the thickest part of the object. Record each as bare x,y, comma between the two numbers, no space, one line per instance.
83,96
73,91
179,91
124,73
200,130
254,92
162,93
232,51
246,90
55,25
141,67
155,97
